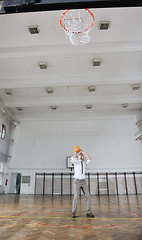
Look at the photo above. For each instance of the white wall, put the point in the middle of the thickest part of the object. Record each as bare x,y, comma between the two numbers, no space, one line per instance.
42,146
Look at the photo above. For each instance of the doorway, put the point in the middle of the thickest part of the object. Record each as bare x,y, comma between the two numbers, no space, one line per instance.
15,183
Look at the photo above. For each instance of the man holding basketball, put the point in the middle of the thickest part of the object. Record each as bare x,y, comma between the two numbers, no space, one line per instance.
80,182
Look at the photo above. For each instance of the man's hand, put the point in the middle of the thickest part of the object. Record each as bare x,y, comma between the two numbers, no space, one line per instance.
88,157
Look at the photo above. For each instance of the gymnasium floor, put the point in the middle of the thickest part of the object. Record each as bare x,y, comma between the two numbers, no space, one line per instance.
46,217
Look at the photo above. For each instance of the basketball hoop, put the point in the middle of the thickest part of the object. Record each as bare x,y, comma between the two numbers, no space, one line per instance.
77,25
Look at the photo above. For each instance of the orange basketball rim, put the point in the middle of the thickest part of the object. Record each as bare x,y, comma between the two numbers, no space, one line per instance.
63,15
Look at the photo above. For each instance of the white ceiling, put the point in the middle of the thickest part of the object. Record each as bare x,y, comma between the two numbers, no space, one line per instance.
70,70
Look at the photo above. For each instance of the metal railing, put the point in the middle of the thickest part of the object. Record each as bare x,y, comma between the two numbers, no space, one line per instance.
98,176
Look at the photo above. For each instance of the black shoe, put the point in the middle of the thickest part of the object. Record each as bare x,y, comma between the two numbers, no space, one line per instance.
74,215
90,215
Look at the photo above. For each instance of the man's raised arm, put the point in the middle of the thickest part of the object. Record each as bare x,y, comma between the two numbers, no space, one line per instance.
88,157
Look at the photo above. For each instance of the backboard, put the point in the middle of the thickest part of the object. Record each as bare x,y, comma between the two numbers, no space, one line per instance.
19,6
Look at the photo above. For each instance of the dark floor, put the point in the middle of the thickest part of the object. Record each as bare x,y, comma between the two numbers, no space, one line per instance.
46,217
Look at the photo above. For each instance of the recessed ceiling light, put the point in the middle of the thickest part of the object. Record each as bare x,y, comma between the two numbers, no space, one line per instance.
49,90
104,25
96,62
124,105
53,107
43,65
136,87
8,92
88,106
92,88
19,108
33,29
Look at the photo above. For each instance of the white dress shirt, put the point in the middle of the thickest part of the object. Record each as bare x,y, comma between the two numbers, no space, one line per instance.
79,170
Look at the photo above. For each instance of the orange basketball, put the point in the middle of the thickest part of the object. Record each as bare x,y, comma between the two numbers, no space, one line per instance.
76,149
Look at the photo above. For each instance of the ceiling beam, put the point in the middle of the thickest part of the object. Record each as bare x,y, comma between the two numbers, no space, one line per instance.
53,50
43,82
65,101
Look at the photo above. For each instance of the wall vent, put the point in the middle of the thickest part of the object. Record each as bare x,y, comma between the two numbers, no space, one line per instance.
43,65
88,107
136,87
33,29
54,107
96,62
104,25
8,92
91,88
124,105
49,90
19,108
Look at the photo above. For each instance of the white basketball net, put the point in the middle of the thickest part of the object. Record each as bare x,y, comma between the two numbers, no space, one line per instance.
76,24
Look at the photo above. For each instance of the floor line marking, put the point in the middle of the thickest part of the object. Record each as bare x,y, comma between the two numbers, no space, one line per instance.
96,218
33,219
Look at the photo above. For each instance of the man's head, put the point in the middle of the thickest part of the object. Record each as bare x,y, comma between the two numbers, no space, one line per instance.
81,156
